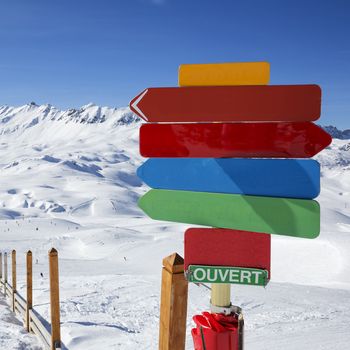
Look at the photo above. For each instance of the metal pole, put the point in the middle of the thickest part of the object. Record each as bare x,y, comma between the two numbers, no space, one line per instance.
220,296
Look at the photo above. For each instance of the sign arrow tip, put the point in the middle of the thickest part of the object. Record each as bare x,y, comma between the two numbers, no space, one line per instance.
134,105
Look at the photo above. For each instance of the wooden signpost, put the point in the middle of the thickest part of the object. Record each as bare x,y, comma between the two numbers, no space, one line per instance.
227,111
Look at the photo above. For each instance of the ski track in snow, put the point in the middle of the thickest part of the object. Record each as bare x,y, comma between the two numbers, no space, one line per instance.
68,181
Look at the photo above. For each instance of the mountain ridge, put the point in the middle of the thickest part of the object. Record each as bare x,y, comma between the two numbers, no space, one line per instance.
93,114
337,133
14,119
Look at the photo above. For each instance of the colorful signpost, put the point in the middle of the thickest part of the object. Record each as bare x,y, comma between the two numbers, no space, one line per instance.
223,274
297,103
253,250
281,216
260,177
226,111
241,140
231,73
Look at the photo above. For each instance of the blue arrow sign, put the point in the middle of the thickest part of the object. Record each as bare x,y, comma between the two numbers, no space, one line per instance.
289,178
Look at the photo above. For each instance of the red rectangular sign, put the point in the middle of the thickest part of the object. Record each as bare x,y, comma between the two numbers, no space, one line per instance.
229,103
223,247
242,140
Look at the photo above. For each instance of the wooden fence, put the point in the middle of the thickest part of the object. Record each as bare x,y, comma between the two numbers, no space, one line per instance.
33,322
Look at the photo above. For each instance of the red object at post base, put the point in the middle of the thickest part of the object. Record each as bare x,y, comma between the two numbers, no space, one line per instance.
239,140
224,247
215,332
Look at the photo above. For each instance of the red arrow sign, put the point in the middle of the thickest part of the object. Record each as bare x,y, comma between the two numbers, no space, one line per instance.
221,247
229,103
284,140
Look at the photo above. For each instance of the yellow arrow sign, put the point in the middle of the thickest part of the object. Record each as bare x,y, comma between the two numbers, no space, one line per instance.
220,74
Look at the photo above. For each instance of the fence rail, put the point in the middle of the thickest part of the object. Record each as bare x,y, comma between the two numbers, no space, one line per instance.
51,338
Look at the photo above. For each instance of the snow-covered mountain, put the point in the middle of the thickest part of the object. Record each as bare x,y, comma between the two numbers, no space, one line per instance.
16,118
19,118
336,133
67,179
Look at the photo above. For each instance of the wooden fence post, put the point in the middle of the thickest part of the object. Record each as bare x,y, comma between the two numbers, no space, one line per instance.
54,300
14,280
5,273
0,266
29,287
173,307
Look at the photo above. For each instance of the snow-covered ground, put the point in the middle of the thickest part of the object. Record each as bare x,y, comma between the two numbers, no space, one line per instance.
12,333
67,180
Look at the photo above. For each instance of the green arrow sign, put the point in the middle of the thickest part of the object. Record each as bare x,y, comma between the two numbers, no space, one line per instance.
282,216
224,274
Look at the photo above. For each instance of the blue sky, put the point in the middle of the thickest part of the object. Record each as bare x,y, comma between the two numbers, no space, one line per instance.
69,53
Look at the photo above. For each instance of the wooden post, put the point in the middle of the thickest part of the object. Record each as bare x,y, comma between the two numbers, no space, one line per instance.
29,264
14,280
221,294
5,273
173,307
54,300
0,266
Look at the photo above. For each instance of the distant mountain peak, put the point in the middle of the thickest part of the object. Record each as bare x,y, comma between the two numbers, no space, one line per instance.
337,133
90,104
17,119
32,113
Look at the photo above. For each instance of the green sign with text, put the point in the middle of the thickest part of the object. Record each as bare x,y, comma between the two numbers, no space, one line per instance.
225,274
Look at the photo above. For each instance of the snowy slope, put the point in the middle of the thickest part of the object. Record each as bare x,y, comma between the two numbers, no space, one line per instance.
68,180
12,333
